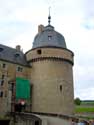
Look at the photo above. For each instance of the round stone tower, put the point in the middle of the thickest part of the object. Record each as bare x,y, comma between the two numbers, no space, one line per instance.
51,73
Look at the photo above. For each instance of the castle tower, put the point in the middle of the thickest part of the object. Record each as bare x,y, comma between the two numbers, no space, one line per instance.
52,73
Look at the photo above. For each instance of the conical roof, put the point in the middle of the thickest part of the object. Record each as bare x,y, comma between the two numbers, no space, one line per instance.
49,37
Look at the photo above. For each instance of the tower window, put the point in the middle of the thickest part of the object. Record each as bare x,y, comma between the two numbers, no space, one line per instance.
49,37
39,51
60,88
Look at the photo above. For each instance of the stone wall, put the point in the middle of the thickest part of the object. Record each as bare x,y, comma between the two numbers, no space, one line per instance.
47,77
52,79
50,52
42,119
8,74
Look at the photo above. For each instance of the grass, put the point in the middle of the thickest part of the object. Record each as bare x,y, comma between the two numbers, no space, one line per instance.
85,107
85,110
80,109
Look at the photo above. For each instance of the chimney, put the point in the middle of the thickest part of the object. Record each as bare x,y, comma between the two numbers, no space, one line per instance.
18,47
40,28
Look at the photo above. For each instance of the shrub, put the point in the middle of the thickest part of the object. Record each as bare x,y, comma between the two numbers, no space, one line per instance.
77,101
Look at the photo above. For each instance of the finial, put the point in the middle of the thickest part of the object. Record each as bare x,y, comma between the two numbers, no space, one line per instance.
49,17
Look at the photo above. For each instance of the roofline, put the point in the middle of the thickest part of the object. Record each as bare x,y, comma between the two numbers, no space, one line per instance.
14,62
54,47
10,47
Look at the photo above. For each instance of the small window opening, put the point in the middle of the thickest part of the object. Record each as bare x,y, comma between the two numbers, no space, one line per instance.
37,122
4,65
60,88
49,37
20,69
3,76
2,82
39,51
11,86
1,94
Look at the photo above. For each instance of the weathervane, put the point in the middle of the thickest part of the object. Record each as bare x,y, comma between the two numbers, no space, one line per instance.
49,17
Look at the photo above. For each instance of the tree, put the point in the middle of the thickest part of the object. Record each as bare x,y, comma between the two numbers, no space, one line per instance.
77,101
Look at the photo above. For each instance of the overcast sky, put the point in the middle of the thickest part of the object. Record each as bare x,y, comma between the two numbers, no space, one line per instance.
74,19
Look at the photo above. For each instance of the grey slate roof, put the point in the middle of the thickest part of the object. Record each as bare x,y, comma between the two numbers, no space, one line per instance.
12,55
49,37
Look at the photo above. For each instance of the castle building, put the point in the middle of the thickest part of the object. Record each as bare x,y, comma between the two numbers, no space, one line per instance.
48,67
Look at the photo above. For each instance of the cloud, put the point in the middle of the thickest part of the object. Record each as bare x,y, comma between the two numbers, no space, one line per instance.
24,39
89,8
86,94
83,80
9,30
88,18
88,24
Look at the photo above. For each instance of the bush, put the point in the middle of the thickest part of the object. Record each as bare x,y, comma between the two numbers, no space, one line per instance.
77,101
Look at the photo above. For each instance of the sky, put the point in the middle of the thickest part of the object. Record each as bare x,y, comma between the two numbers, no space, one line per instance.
74,19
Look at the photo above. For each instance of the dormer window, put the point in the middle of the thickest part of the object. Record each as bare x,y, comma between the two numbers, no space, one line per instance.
17,54
49,37
1,49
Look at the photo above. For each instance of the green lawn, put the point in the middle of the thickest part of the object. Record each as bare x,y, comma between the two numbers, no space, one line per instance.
80,109
85,110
